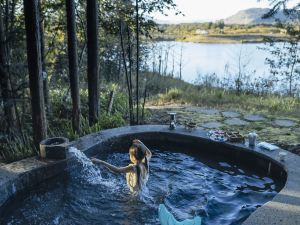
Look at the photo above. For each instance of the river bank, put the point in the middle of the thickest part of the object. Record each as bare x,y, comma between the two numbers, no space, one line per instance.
223,38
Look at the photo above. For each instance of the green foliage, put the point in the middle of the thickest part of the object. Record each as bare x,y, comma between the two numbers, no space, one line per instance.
111,121
172,95
60,124
120,104
106,121
16,147
160,84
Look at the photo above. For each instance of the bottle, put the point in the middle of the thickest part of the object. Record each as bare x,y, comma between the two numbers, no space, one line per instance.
252,139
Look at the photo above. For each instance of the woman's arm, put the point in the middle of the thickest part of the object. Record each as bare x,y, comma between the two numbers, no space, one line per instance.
113,168
148,152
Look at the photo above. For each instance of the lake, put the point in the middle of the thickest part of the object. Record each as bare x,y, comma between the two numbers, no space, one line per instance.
201,58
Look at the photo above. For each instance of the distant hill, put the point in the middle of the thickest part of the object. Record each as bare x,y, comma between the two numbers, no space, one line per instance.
254,16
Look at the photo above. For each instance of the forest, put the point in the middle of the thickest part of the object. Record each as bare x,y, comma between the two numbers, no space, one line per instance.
69,68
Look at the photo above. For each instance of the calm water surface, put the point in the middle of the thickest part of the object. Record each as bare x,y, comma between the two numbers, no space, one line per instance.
201,58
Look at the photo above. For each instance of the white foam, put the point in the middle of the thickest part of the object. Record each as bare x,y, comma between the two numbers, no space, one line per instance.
89,171
56,220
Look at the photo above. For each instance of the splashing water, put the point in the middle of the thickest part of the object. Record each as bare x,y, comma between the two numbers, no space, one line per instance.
87,170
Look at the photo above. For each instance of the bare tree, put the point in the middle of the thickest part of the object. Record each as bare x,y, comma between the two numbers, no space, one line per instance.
167,51
241,71
285,64
181,62
160,61
173,64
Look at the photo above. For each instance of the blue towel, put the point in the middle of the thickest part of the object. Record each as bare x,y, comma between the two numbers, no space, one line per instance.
166,218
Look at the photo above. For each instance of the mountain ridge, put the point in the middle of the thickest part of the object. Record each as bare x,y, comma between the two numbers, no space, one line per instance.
253,16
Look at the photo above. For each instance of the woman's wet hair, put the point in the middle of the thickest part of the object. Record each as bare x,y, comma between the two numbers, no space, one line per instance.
139,153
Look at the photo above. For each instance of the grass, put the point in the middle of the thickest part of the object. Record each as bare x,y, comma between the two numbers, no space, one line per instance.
271,106
226,99
16,147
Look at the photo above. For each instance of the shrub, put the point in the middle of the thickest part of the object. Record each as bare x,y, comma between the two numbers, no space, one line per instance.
64,127
16,147
173,94
111,121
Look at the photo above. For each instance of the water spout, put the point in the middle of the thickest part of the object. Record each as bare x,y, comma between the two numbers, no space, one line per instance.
81,166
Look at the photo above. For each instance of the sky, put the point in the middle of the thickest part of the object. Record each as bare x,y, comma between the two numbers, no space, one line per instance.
210,10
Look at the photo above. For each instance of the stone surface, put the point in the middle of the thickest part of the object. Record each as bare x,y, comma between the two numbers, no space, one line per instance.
297,129
2,163
284,123
203,110
212,125
254,118
231,114
236,122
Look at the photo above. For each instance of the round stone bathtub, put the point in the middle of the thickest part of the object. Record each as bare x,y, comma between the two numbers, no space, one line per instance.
223,183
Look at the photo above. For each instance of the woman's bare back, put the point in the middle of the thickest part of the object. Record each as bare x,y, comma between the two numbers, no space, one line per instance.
132,177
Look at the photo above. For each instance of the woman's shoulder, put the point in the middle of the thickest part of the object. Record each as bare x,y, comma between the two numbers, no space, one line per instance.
133,166
138,167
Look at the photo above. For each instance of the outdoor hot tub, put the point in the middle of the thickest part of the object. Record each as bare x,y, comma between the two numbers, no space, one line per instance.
192,175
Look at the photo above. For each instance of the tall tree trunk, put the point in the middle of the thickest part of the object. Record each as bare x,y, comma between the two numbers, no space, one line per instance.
137,59
130,102
166,60
110,102
180,64
144,103
129,53
173,64
6,14
44,69
73,64
291,75
35,70
92,45
6,89
159,62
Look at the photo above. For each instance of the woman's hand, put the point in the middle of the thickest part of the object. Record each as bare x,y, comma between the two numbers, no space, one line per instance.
137,141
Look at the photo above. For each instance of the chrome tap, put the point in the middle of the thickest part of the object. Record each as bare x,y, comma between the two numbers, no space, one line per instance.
172,121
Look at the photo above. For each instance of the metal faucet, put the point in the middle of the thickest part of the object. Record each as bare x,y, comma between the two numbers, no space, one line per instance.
172,121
